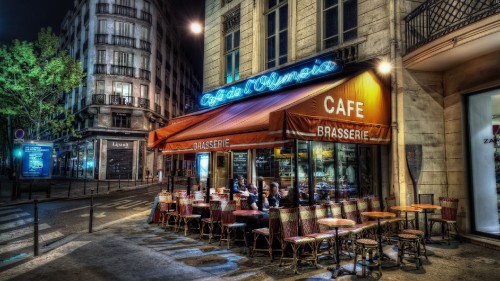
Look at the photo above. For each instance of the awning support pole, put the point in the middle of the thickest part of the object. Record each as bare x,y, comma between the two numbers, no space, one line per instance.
296,174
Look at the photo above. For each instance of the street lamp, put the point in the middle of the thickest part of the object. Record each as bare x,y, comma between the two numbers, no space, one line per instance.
384,67
196,27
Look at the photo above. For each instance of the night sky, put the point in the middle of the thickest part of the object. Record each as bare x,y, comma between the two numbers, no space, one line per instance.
23,19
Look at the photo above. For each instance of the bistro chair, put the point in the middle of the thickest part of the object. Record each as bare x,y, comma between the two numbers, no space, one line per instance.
408,248
390,201
289,221
420,235
220,190
350,212
363,247
391,226
165,205
181,194
229,224
362,205
212,221
186,215
172,217
237,198
449,207
309,227
244,204
270,233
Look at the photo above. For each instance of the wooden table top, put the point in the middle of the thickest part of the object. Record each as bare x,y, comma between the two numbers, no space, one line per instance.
331,222
426,206
247,213
406,208
379,215
201,205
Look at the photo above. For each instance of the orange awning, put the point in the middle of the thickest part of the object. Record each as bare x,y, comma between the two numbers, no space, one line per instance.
354,109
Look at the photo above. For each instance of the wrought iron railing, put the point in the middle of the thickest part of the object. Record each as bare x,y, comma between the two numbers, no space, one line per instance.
102,8
158,82
124,11
145,45
98,99
157,108
100,69
145,16
159,56
143,102
124,41
122,70
101,38
436,18
144,74
166,113
121,100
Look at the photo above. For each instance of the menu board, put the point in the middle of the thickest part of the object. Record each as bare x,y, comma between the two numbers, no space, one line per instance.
240,164
36,161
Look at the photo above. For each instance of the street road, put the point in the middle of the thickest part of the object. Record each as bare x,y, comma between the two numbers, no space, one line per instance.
59,220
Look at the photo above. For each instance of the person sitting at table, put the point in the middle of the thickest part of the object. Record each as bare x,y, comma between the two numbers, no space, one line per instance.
252,197
240,186
274,197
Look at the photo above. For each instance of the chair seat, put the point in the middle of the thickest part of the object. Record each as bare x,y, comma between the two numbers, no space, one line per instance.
413,231
262,231
407,236
442,220
209,220
235,224
299,240
321,236
192,216
342,232
368,242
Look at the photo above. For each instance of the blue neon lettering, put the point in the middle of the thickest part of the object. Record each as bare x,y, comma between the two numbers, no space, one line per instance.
268,82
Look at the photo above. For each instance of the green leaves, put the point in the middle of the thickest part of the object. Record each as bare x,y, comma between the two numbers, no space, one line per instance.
31,76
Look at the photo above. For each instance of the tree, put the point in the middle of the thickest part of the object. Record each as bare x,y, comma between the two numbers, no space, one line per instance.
33,77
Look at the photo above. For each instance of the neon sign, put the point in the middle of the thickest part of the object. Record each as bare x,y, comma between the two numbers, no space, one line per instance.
295,74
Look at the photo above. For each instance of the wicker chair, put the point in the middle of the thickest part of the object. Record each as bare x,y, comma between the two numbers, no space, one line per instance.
186,214
172,217
165,205
392,225
211,222
229,224
289,221
309,227
362,205
270,233
449,207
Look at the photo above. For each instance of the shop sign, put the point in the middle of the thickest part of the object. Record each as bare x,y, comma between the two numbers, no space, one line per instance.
295,74
113,144
36,160
211,144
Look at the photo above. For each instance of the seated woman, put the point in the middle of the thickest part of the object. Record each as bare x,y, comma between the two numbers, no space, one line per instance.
274,196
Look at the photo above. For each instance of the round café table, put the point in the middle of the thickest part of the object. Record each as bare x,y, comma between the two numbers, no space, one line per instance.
378,216
336,223
247,213
406,210
201,205
426,207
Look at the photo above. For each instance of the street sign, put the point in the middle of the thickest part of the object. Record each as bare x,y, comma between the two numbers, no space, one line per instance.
19,134
18,140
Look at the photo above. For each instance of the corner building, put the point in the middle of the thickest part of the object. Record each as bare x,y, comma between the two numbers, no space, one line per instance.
137,79
427,129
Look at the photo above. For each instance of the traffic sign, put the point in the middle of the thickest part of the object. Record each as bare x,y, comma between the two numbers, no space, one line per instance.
19,134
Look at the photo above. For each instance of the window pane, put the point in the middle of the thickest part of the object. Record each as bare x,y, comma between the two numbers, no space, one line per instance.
283,43
333,41
236,39
271,4
284,17
229,68
331,22
271,24
228,45
330,3
271,48
350,17
237,65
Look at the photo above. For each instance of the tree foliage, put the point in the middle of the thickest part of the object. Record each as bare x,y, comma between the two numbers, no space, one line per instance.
33,77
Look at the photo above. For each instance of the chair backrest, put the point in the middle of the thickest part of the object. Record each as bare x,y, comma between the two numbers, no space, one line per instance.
336,210
198,195
363,206
237,199
165,197
215,210
181,194
185,206
220,190
426,199
244,204
390,201
375,205
321,213
214,196
350,210
274,221
307,220
289,222
449,207
228,207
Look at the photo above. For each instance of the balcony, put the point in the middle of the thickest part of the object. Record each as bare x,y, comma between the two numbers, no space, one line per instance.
157,108
166,113
122,70
98,99
143,102
101,39
123,41
121,100
158,82
102,8
100,69
144,74
145,45
124,11
145,16
159,56
443,33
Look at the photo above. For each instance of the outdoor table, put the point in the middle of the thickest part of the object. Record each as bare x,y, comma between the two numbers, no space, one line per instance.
426,207
378,216
201,205
336,223
247,213
407,209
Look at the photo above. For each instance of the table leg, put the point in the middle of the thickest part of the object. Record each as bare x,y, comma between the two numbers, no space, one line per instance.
426,232
406,222
337,270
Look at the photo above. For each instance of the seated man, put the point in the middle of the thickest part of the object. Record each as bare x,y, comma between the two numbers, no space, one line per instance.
252,197
240,186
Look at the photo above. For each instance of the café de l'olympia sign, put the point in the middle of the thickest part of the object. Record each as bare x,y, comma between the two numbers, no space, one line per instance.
301,72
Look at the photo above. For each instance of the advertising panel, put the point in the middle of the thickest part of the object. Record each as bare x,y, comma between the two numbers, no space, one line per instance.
36,162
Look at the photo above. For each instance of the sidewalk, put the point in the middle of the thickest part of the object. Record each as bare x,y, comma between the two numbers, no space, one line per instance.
64,188
134,250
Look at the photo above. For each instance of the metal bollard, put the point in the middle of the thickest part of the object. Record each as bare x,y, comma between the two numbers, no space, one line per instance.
35,223
91,217
97,191
84,186
119,181
69,187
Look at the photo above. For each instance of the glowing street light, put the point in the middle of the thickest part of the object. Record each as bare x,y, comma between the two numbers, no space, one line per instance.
384,67
196,28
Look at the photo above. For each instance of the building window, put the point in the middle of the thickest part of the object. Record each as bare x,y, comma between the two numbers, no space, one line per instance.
124,29
340,22
145,34
99,87
121,120
232,45
144,91
123,59
145,62
147,6
101,56
277,33
101,27
128,3
122,89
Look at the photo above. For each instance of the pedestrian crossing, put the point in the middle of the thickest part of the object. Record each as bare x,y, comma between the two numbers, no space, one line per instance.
17,235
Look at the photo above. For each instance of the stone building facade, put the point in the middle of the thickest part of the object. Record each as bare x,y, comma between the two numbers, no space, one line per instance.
137,79
438,63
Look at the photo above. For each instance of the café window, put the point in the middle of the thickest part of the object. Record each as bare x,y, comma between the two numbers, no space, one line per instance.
121,120
484,147
232,45
276,33
339,22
